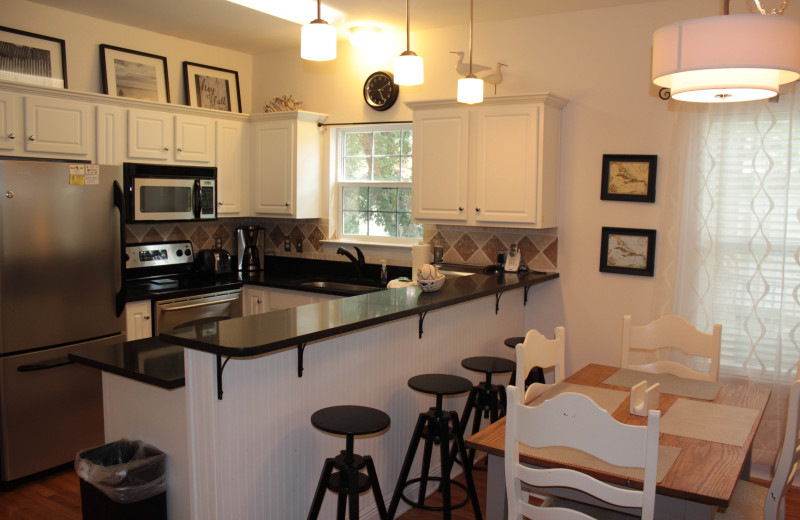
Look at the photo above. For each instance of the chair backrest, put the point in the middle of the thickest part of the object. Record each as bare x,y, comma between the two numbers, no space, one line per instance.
538,351
786,463
671,332
575,421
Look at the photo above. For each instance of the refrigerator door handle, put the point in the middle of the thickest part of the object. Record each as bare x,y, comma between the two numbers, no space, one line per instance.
119,203
45,365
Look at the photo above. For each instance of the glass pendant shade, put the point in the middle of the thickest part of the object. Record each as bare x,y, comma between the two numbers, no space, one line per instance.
470,90
727,58
408,69
318,41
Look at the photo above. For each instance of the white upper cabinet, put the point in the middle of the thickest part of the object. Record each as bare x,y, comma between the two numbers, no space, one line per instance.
60,127
493,164
286,164
231,168
10,123
194,139
161,136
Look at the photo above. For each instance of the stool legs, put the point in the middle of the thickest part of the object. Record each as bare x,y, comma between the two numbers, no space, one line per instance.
412,450
319,494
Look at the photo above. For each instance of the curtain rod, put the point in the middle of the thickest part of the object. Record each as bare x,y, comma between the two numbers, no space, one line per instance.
364,123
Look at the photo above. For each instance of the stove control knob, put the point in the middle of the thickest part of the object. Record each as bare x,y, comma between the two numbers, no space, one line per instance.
179,252
188,252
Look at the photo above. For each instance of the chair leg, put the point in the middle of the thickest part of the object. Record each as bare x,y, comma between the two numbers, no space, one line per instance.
376,488
322,486
426,466
473,495
352,491
401,480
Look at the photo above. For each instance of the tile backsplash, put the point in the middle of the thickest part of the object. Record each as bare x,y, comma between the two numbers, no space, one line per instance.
461,244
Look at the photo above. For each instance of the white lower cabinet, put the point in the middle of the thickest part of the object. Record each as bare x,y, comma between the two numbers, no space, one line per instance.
258,299
255,300
138,322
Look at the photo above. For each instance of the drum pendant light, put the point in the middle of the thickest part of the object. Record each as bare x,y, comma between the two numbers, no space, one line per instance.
470,88
408,68
318,39
728,58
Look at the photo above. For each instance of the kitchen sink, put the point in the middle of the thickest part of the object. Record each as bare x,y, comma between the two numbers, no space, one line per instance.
340,286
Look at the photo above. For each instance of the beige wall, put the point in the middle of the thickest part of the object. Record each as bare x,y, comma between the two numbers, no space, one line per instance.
83,36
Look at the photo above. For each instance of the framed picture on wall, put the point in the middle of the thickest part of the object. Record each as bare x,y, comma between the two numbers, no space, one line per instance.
211,87
628,251
134,74
629,177
32,58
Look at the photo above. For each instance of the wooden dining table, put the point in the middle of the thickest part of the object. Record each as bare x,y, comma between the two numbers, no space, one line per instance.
701,478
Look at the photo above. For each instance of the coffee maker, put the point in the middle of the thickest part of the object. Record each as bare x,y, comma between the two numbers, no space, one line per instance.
249,248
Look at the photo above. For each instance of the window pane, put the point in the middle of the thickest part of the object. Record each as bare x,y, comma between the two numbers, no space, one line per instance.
357,144
405,169
405,228
404,199
387,143
383,199
356,168
354,222
383,224
355,198
407,140
387,168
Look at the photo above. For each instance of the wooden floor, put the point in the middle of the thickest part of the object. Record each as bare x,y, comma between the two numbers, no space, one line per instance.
57,497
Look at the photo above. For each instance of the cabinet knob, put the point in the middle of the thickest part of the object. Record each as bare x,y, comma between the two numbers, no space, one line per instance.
12,136
259,301
461,208
166,148
9,194
180,149
31,138
219,203
287,204
147,316
477,210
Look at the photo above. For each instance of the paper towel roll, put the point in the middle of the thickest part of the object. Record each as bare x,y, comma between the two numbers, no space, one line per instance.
420,254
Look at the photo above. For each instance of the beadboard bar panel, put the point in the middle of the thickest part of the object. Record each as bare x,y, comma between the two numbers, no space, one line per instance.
255,454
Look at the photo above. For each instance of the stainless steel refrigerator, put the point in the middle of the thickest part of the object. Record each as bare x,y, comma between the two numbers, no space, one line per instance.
61,287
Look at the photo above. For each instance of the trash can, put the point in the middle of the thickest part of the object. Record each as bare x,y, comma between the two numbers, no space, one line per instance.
123,480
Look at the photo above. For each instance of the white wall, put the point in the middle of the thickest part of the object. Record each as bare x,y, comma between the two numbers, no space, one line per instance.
83,36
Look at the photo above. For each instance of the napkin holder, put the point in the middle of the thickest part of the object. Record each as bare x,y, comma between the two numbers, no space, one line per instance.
644,399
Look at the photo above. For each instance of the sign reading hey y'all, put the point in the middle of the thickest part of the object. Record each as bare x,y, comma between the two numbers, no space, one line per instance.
212,92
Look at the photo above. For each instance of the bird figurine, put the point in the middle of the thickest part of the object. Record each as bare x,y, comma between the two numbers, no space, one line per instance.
463,68
495,77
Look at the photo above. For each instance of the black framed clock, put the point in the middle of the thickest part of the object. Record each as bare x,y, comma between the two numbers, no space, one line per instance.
380,90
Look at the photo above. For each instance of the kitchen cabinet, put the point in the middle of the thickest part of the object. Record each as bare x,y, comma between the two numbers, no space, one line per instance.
162,136
286,164
255,300
231,168
10,126
137,320
493,164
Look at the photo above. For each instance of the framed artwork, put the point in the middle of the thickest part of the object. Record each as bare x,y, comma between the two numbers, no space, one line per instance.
32,58
629,177
628,251
134,74
211,87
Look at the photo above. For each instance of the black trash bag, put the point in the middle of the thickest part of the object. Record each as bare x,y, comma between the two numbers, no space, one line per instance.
125,471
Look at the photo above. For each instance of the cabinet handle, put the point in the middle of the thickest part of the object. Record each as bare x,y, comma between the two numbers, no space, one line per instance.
9,194
461,208
477,210
31,138
180,149
12,136
287,204
219,203
147,317
166,148
259,301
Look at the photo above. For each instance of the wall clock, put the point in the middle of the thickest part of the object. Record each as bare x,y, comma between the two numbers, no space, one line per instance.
380,91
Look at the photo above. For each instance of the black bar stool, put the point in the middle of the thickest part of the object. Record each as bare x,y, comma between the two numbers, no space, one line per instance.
536,375
437,426
348,481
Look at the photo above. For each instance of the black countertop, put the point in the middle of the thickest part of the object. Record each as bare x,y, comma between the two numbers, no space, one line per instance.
264,333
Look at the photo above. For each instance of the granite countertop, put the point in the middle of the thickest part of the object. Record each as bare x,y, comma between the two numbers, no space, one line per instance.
272,331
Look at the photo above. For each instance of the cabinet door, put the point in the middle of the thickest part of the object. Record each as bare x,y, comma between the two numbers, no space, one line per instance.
506,164
274,145
441,139
194,139
230,167
110,134
137,320
58,126
149,135
10,125
255,300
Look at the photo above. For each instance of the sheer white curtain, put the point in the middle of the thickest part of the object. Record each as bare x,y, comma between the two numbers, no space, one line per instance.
738,241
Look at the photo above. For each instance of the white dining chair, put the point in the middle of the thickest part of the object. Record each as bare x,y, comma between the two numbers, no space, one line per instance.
575,421
667,337
538,351
751,501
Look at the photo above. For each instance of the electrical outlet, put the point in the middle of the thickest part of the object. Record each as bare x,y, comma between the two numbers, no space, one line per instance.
287,244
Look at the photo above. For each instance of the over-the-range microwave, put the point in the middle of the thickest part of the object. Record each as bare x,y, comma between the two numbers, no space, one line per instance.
158,192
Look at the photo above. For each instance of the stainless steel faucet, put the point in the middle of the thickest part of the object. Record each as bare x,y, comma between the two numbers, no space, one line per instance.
361,262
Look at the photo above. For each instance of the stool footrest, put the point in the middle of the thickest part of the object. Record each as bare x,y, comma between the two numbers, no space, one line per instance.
421,505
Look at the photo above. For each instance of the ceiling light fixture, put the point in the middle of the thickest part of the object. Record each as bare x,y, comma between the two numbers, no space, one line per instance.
364,37
727,58
470,88
408,69
295,11
318,39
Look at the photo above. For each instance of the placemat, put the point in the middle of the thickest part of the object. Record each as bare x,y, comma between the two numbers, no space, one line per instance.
709,421
670,384
562,455
607,399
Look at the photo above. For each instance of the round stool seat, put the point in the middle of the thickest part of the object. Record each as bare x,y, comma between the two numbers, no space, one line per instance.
440,384
513,342
350,420
488,364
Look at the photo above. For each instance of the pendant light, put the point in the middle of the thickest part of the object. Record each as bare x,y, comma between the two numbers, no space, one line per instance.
727,58
470,88
318,39
408,68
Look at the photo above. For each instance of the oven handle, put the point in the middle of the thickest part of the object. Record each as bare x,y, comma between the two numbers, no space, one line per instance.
180,307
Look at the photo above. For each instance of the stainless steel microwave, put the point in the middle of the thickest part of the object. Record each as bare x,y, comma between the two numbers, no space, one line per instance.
159,193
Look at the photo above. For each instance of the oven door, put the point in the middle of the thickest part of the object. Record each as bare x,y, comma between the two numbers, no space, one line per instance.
157,198
180,312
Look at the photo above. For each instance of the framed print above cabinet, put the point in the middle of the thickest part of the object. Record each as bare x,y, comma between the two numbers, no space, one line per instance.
628,251
211,87
134,74
629,177
32,58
